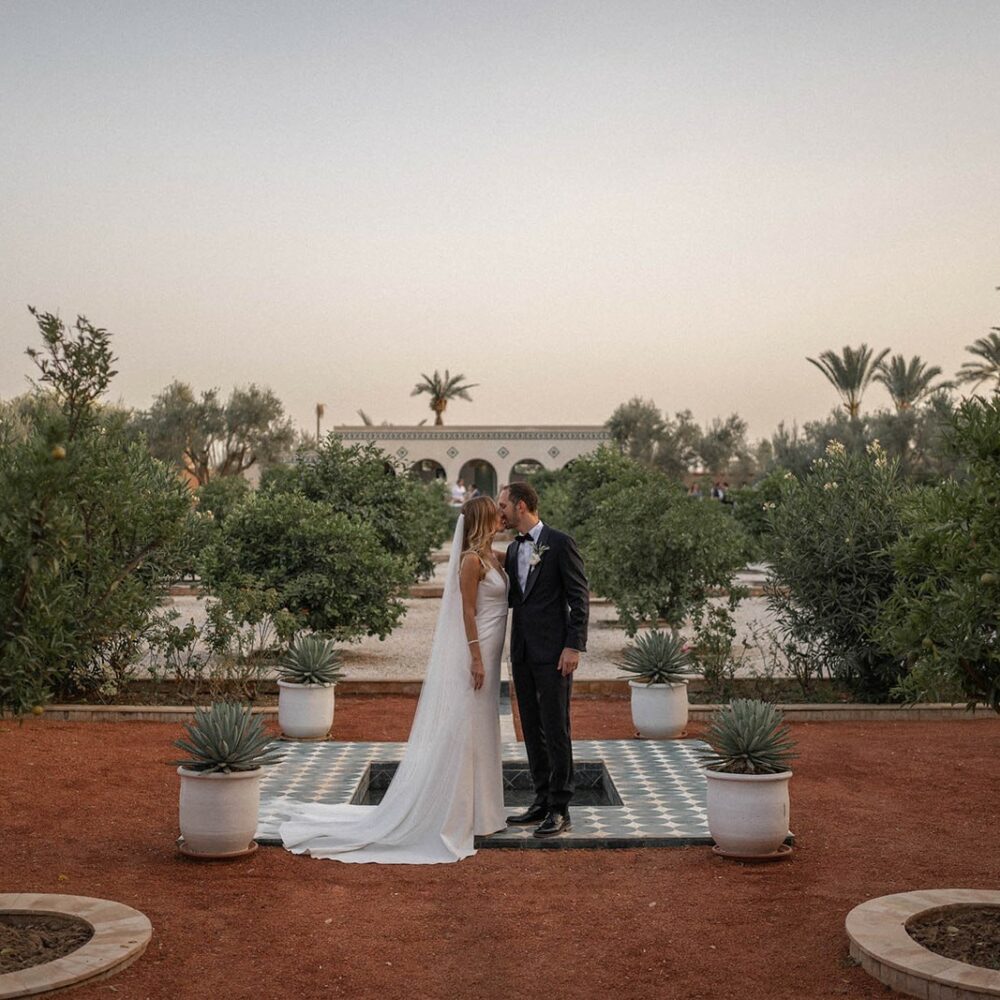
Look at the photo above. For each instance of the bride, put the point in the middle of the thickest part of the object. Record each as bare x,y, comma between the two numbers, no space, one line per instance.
449,785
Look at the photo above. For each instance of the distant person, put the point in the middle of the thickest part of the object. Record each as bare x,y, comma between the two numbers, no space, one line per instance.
694,491
458,493
718,493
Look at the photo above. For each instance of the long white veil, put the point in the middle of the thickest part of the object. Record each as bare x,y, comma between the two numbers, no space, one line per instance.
419,819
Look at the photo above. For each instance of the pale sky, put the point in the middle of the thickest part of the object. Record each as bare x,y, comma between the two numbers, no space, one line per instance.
570,203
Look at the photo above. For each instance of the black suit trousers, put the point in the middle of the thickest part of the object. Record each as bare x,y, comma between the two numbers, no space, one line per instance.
543,697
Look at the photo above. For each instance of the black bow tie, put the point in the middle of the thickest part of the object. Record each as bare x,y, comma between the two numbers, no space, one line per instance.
524,538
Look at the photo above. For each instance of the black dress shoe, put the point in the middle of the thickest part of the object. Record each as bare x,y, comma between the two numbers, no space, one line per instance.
534,813
555,823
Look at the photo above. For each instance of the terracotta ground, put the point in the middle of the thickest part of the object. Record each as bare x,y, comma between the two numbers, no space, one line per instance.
877,808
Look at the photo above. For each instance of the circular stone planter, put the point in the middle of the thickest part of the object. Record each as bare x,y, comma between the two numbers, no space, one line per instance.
880,942
120,937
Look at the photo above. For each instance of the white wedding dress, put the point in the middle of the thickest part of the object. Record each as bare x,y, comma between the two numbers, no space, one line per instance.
449,785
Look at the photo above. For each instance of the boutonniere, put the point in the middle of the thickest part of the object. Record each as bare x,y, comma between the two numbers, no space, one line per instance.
537,551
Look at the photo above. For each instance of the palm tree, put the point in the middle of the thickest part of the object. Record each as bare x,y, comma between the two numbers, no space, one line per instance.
988,350
441,390
908,382
850,373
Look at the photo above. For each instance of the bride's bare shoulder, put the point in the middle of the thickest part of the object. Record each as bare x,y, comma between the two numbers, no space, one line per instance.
471,564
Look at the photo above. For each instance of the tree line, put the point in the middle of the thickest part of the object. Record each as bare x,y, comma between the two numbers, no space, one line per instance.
911,430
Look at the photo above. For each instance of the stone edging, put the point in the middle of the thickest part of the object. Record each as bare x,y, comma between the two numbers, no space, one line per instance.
879,941
697,713
120,937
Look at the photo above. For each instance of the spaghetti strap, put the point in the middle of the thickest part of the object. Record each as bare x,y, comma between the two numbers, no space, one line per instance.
472,552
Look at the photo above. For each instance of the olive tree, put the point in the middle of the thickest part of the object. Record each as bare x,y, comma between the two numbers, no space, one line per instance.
92,527
943,615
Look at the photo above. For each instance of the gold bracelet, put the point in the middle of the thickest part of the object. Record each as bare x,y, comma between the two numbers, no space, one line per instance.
471,641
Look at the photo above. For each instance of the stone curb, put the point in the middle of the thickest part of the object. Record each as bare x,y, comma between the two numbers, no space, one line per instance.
697,713
120,937
880,942
436,590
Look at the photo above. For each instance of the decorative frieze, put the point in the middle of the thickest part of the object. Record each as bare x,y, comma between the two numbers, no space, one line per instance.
473,434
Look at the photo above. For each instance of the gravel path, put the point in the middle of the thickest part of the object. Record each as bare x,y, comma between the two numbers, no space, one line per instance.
403,654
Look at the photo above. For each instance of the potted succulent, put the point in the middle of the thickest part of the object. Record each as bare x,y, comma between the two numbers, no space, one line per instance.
659,664
748,774
306,680
220,781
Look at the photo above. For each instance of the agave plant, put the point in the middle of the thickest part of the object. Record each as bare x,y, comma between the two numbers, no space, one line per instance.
657,658
748,737
226,737
311,660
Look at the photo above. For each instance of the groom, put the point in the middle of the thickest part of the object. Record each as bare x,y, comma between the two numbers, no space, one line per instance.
551,602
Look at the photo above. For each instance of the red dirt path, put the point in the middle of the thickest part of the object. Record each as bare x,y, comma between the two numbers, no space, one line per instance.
91,809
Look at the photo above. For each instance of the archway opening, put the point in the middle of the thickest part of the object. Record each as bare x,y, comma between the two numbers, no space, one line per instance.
427,470
525,469
480,476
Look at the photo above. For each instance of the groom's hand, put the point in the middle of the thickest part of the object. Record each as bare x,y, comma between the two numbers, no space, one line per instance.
569,660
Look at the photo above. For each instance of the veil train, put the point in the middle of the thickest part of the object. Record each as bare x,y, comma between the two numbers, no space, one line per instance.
426,815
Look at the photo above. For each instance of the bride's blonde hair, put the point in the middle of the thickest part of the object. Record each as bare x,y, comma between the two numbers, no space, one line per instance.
480,525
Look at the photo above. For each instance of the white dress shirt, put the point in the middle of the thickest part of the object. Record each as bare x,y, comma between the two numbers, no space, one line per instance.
524,555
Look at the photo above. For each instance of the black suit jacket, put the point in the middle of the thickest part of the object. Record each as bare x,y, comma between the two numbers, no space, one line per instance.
552,613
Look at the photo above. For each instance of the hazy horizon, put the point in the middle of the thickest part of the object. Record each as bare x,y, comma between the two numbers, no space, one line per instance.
569,203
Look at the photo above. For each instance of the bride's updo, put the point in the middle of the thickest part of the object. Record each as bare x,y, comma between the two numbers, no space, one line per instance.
480,525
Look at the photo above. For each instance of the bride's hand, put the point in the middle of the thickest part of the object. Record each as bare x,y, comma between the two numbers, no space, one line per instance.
478,674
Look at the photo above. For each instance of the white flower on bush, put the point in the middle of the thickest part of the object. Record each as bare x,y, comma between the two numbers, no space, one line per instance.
832,485
876,451
836,448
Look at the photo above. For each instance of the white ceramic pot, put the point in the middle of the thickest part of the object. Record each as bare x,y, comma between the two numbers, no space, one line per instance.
218,811
748,813
659,711
305,711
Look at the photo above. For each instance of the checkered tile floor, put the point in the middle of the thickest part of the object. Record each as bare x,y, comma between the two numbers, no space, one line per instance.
660,784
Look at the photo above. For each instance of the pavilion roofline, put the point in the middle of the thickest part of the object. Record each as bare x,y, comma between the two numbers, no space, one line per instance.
445,429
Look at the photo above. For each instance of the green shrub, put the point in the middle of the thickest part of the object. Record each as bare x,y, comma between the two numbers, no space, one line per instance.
92,528
828,544
221,495
750,506
313,565
569,497
410,518
944,613
647,546
658,554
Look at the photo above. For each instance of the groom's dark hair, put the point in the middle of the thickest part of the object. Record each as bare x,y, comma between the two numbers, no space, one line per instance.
523,491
